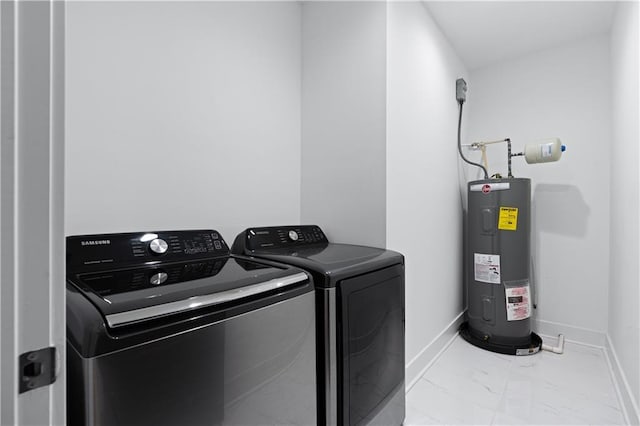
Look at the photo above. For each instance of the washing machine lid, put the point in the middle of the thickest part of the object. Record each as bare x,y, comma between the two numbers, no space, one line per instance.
127,288
309,249
129,296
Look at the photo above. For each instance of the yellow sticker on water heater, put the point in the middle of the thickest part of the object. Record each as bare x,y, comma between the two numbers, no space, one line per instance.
508,220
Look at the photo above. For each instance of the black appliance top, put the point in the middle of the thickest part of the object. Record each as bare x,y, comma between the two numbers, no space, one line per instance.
138,277
308,248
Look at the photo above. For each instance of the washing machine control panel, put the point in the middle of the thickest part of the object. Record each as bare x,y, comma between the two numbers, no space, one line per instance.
283,237
128,280
116,250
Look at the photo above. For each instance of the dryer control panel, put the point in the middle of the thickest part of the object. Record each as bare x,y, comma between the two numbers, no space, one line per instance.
281,237
85,252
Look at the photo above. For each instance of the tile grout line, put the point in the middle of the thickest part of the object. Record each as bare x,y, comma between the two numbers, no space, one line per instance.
504,391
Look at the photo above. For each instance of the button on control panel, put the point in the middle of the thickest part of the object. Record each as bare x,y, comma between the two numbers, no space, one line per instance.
158,278
158,246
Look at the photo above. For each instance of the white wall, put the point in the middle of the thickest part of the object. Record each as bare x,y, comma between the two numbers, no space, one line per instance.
227,115
182,115
563,92
624,297
343,125
424,213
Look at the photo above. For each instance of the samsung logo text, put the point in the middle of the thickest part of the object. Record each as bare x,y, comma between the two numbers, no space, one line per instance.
95,242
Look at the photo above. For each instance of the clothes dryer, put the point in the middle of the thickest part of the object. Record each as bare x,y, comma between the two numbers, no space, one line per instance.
360,309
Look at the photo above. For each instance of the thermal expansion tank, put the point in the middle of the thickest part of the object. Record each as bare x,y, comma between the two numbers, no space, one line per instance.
498,287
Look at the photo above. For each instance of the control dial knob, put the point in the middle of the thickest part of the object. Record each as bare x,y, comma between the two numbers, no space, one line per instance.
293,235
158,246
158,278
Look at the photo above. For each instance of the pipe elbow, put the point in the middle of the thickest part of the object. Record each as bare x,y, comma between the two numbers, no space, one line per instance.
559,349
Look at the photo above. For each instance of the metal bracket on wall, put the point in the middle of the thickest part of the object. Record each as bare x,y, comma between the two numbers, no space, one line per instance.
37,369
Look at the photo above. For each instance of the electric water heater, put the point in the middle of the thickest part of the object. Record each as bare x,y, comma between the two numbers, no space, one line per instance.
498,286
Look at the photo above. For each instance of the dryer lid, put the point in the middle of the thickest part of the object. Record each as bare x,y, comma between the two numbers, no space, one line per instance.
311,251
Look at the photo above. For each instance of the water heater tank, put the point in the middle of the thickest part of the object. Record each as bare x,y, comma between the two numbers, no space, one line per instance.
498,287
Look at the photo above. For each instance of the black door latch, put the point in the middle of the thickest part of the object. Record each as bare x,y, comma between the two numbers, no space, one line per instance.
37,369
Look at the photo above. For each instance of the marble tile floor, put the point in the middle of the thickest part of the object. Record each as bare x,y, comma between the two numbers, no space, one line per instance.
470,386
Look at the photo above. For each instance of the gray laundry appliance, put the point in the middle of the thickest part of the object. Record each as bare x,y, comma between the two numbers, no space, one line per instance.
167,328
360,309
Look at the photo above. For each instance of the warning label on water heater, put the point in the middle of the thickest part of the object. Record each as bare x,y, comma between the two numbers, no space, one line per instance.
487,268
518,303
508,219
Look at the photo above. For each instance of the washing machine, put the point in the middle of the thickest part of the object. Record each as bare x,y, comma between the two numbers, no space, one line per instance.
167,328
360,309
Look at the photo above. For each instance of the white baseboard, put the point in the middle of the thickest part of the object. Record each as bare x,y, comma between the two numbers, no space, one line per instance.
571,332
625,395
427,356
